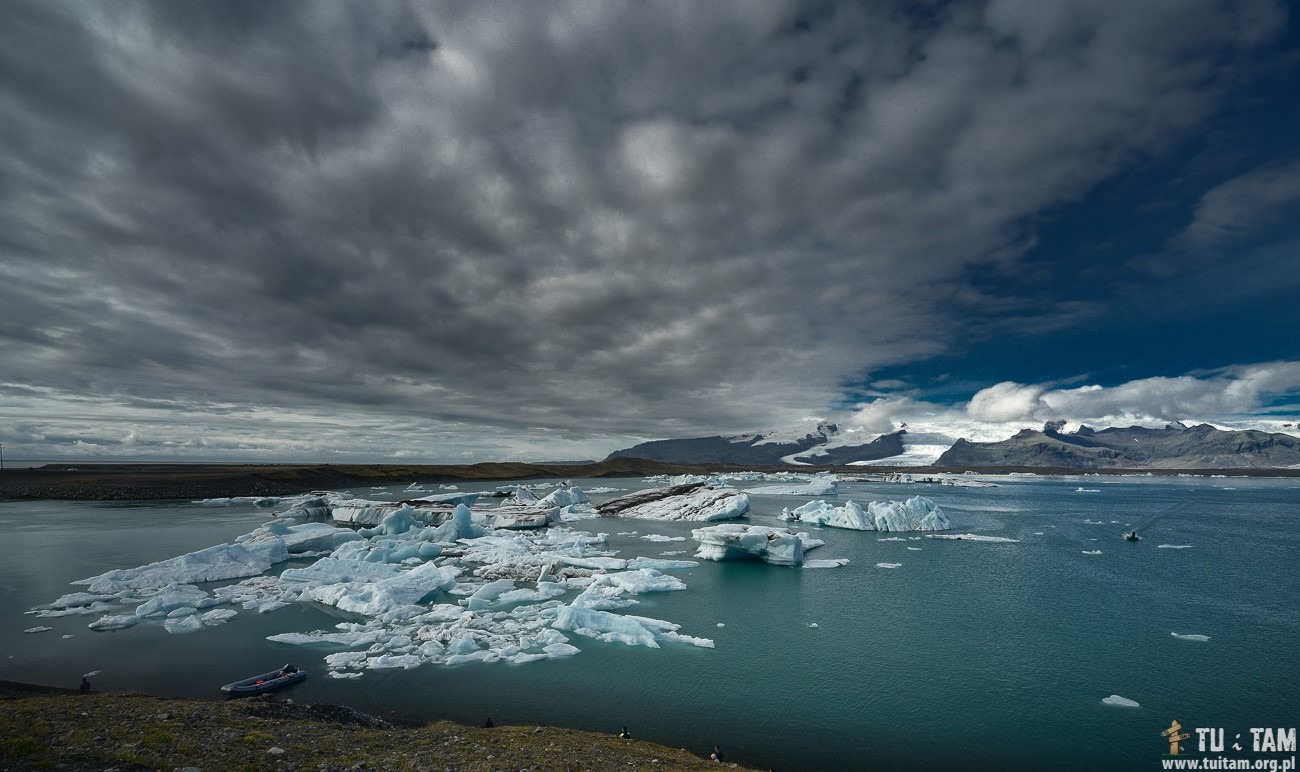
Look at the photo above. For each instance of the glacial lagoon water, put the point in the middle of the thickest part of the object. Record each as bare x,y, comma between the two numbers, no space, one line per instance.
968,655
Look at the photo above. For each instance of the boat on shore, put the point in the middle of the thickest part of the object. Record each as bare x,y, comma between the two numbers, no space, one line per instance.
265,682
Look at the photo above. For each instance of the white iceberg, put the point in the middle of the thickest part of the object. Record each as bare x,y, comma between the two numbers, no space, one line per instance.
915,514
1120,702
972,537
813,488
1190,637
224,561
779,546
826,563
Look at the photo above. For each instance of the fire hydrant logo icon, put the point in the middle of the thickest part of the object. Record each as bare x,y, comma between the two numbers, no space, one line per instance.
1175,735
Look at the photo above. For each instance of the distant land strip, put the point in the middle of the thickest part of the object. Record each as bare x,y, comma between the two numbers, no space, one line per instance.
136,481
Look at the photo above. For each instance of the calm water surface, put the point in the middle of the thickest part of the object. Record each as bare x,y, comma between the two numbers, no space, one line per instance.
969,655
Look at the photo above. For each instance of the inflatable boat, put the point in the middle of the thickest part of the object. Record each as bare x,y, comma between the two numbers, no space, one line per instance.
265,682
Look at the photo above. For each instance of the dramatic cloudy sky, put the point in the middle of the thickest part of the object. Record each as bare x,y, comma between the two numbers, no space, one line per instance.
546,230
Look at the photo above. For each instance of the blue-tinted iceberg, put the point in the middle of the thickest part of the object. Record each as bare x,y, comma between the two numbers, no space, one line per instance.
915,514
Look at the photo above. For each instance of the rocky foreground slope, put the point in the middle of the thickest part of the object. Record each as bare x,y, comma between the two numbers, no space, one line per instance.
130,731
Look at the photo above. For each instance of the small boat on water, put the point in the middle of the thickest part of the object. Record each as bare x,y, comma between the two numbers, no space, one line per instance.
265,682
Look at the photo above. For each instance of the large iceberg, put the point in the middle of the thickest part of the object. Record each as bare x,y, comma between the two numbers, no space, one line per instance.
816,487
224,561
693,501
780,546
915,514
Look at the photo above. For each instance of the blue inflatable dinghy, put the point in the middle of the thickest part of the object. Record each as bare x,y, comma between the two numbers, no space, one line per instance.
265,682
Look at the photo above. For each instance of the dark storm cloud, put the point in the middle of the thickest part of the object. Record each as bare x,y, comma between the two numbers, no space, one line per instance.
541,228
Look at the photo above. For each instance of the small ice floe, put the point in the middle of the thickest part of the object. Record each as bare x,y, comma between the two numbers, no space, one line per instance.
1087,490
889,565
812,624
40,629
915,549
722,624
1173,546
1117,701
626,533
92,674
658,537
827,487
66,637
892,538
1092,552
1190,637
1038,533
1093,522
826,563
971,537
338,674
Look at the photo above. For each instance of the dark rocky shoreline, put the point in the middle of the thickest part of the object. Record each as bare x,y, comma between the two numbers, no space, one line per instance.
50,728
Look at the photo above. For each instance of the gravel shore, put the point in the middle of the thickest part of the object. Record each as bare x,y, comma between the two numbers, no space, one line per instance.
43,728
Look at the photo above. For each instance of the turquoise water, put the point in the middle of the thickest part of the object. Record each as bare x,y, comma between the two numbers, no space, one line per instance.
969,655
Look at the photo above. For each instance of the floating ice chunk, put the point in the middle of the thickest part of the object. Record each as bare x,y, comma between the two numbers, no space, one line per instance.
596,563
308,537
385,595
1087,490
826,563
813,488
1092,552
332,570
1173,546
170,599
661,538
645,580
602,595
661,565
270,606
626,533
1120,702
722,624
694,501
972,537
915,549
565,497
915,514
780,546
39,629
1190,637
468,499
561,650
224,561
337,674
612,628
81,599
113,622
393,661
344,660
892,538
217,615
187,624
812,624
889,565
488,594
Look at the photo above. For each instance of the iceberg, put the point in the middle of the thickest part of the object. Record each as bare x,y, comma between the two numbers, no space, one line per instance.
915,514
693,501
308,537
224,561
813,488
889,565
1190,637
779,546
827,563
1119,702
972,537
618,628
